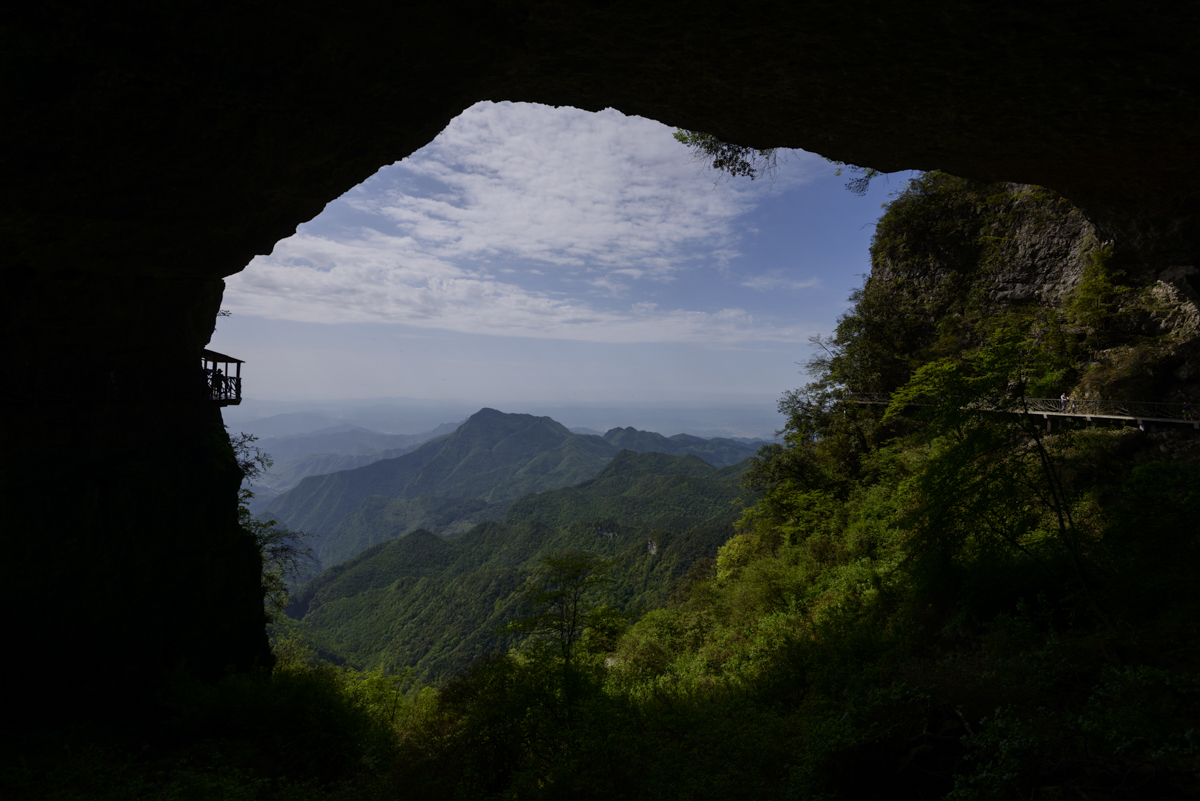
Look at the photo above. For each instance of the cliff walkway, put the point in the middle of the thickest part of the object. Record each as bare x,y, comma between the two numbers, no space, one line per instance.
1139,412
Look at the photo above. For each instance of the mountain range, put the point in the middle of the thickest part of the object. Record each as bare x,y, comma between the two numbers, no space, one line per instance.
494,457
412,416
469,476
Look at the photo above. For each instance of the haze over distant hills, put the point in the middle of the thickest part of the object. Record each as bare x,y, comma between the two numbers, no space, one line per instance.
413,416
469,476
493,457
383,418
329,450
345,440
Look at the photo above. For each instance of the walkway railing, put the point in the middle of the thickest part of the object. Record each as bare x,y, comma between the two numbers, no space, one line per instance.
1138,411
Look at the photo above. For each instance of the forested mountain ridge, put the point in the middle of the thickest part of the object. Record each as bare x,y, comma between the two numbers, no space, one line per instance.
469,476
719,451
379,519
493,456
328,450
648,489
284,475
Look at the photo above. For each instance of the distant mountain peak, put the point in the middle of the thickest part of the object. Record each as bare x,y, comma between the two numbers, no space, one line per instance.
488,418
612,432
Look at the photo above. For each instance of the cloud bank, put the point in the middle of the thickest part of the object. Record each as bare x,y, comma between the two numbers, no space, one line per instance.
525,220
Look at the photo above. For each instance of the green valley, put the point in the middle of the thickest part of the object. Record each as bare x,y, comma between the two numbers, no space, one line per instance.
437,604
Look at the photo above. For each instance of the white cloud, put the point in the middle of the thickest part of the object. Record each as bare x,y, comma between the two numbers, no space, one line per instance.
537,195
774,280
362,285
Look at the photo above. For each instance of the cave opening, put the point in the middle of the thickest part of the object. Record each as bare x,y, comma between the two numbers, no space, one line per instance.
149,158
533,258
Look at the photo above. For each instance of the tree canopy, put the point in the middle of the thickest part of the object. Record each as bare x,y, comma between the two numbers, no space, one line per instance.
737,161
558,599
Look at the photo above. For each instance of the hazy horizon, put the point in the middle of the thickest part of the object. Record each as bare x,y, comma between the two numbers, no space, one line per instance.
416,416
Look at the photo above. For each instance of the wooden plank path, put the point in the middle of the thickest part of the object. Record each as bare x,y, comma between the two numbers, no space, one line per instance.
1139,412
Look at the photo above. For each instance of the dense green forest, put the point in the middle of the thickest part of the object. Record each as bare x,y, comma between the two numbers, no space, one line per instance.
920,600
436,605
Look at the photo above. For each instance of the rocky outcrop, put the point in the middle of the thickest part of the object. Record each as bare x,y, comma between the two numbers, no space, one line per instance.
952,257
1174,306
1012,244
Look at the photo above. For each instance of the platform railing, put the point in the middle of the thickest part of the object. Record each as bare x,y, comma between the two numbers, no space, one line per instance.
225,388
1070,407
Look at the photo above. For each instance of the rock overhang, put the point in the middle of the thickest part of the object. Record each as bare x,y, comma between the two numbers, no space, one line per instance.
185,141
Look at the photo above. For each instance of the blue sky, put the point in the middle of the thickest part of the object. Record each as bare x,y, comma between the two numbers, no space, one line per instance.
554,255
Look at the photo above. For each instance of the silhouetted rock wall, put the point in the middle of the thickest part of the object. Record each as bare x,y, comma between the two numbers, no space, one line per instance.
127,560
150,150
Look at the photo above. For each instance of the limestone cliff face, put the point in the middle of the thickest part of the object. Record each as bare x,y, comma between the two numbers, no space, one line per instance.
1174,304
150,151
951,253
1012,244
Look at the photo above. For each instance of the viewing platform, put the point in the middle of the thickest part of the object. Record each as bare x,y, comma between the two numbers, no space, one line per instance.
222,378
1138,412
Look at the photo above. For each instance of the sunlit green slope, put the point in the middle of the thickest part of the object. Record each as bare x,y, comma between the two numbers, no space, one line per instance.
648,489
436,603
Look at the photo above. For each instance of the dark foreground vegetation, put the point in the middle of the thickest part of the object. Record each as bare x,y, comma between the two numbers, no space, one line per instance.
925,602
